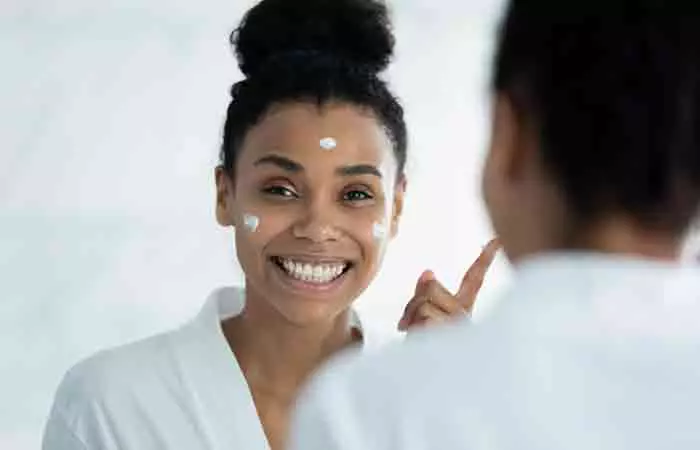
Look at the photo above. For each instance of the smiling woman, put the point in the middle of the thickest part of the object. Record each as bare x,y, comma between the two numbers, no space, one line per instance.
312,169
311,181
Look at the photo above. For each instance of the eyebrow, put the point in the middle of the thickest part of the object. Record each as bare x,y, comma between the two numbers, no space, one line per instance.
281,162
292,166
359,169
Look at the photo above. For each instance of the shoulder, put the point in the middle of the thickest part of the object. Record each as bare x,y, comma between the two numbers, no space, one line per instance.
109,390
374,398
432,353
110,376
137,370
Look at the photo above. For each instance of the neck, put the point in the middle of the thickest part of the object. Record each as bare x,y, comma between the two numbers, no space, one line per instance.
276,355
624,236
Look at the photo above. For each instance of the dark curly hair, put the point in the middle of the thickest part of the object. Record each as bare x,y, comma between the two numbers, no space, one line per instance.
315,51
613,90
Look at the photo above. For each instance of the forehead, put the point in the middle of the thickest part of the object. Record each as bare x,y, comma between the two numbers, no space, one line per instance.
296,129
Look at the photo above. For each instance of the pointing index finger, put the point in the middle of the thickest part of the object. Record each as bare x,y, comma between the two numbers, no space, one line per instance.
474,278
426,276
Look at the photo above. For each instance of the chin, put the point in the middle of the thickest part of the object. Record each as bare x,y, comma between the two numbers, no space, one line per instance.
303,313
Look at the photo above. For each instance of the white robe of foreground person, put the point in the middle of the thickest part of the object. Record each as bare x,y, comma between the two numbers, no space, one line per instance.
179,390
584,352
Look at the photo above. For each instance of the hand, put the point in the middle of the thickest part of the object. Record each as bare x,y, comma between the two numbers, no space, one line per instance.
433,303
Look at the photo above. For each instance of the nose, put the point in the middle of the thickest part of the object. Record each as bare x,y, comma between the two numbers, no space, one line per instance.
317,222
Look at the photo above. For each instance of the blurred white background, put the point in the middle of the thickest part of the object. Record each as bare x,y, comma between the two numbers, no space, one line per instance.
110,120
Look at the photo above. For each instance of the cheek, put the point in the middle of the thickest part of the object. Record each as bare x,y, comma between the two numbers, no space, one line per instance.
255,228
503,203
372,232
490,190
487,185
385,224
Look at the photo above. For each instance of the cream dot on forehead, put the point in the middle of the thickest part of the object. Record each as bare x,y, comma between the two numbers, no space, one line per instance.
251,222
328,143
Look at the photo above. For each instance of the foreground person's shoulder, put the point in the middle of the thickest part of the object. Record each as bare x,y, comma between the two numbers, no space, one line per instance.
362,400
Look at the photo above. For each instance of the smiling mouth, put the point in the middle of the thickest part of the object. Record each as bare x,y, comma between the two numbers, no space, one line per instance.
321,272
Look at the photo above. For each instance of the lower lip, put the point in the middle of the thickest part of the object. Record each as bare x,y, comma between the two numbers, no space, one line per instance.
307,286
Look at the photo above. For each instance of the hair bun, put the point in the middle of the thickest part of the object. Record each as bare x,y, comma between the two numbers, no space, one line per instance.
357,31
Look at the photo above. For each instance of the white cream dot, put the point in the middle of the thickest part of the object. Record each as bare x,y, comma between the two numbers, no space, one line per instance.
379,230
328,143
251,222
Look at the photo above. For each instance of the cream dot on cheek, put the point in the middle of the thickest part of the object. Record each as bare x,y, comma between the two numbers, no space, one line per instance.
379,231
251,222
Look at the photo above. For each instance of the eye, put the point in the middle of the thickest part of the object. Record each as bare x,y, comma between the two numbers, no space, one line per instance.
279,191
357,195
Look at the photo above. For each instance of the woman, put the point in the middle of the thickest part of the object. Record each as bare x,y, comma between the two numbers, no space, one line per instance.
312,181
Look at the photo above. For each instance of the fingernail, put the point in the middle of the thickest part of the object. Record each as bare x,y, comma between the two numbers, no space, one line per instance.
427,275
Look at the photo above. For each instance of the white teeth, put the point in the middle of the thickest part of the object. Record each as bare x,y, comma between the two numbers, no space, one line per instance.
308,272
313,273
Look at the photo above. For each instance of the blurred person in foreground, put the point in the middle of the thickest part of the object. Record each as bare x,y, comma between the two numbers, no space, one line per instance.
591,182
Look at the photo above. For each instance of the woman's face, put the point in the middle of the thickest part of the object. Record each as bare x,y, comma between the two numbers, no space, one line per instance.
312,223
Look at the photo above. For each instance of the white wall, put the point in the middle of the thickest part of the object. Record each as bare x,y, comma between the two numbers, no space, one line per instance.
110,118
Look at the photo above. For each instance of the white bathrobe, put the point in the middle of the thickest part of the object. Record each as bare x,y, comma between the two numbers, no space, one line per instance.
179,390
584,352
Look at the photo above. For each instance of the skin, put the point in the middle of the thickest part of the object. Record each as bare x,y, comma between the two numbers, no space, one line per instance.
530,212
432,303
314,205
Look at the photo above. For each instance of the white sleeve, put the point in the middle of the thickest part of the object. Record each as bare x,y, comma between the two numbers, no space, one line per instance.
59,436
73,413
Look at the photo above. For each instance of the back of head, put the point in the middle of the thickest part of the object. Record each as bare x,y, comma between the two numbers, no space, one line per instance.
316,51
613,91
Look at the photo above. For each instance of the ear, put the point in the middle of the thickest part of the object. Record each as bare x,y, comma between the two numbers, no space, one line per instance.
225,208
512,140
397,210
